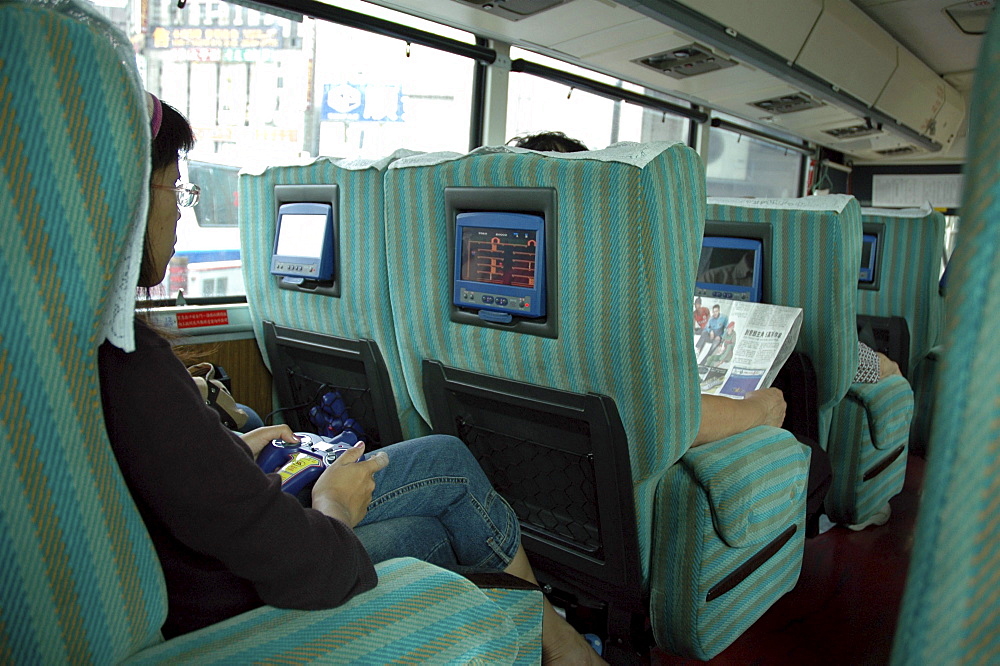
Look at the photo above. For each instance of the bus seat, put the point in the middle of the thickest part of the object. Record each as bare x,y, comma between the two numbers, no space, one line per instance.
950,607
911,246
345,340
817,248
81,581
585,426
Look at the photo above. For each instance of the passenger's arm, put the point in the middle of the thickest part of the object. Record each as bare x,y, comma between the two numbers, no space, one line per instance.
723,417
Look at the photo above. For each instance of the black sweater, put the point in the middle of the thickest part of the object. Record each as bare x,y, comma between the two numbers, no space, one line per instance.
228,539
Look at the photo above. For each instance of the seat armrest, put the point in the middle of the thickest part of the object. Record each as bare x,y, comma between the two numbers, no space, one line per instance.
418,611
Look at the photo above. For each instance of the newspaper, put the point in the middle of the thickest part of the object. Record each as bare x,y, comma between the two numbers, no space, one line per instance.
741,346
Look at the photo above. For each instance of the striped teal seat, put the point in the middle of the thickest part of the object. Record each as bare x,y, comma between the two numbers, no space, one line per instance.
80,581
951,607
868,447
630,220
816,249
912,246
362,310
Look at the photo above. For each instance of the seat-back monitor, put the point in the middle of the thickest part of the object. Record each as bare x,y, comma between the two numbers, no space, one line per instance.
869,253
500,264
730,267
303,243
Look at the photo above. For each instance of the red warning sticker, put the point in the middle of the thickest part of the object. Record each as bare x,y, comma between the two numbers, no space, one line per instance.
202,318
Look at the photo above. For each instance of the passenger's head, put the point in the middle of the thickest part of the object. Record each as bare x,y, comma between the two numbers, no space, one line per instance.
172,136
716,310
697,301
551,141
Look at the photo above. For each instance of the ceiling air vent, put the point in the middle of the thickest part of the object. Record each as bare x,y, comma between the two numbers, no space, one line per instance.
513,10
894,152
788,103
853,131
685,62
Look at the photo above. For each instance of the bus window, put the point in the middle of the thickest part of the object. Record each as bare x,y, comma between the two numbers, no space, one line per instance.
538,105
263,89
740,165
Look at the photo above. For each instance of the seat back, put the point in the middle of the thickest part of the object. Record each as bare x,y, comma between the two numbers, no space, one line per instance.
629,228
81,582
911,243
345,322
816,250
950,607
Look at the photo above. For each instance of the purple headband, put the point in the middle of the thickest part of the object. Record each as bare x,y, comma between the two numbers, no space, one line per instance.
155,114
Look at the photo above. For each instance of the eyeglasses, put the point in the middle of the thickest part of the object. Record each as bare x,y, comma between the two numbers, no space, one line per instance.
187,193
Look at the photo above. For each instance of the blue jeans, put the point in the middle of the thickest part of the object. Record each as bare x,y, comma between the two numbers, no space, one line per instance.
434,503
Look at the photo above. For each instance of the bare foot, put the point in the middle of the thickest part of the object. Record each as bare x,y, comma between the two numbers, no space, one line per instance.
566,646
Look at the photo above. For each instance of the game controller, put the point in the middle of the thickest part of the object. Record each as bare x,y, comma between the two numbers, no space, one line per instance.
300,464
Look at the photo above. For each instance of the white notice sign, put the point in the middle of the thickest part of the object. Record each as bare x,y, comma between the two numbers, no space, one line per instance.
944,191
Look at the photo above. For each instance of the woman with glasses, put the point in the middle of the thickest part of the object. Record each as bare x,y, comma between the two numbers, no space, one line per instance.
228,538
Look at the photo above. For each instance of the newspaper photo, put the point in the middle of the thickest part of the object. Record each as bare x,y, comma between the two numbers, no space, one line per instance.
741,346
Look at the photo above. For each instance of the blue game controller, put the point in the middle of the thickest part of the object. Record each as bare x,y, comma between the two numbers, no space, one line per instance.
300,464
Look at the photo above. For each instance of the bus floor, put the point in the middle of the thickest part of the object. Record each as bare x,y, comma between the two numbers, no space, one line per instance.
845,606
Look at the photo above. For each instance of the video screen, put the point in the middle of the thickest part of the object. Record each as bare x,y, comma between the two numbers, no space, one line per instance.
867,273
726,265
499,256
301,235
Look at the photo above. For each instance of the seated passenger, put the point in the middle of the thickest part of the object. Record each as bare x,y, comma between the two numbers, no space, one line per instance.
873,366
228,538
721,416
555,142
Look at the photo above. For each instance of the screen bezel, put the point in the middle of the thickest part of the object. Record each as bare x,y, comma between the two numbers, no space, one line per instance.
713,289
507,220
324,262
876,229
756,231
328,193
539,201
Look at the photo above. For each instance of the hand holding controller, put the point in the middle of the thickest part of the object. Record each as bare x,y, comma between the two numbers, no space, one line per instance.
300,464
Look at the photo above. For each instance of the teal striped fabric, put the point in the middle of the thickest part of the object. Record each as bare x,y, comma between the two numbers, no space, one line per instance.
752,496
79,580
418,614
525,610
910,267
951,607
628,239
869,427
814,267
912,247
748,489
363,309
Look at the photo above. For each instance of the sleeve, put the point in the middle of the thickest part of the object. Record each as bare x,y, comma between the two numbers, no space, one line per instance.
199,480
868,369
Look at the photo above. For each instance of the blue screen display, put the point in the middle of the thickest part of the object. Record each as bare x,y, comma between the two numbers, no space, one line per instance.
303,242
500,264
869,245
730,268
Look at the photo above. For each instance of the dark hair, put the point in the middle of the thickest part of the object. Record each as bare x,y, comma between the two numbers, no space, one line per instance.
551,141
175,137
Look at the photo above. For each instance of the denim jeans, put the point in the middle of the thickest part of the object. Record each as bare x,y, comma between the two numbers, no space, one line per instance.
434,503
